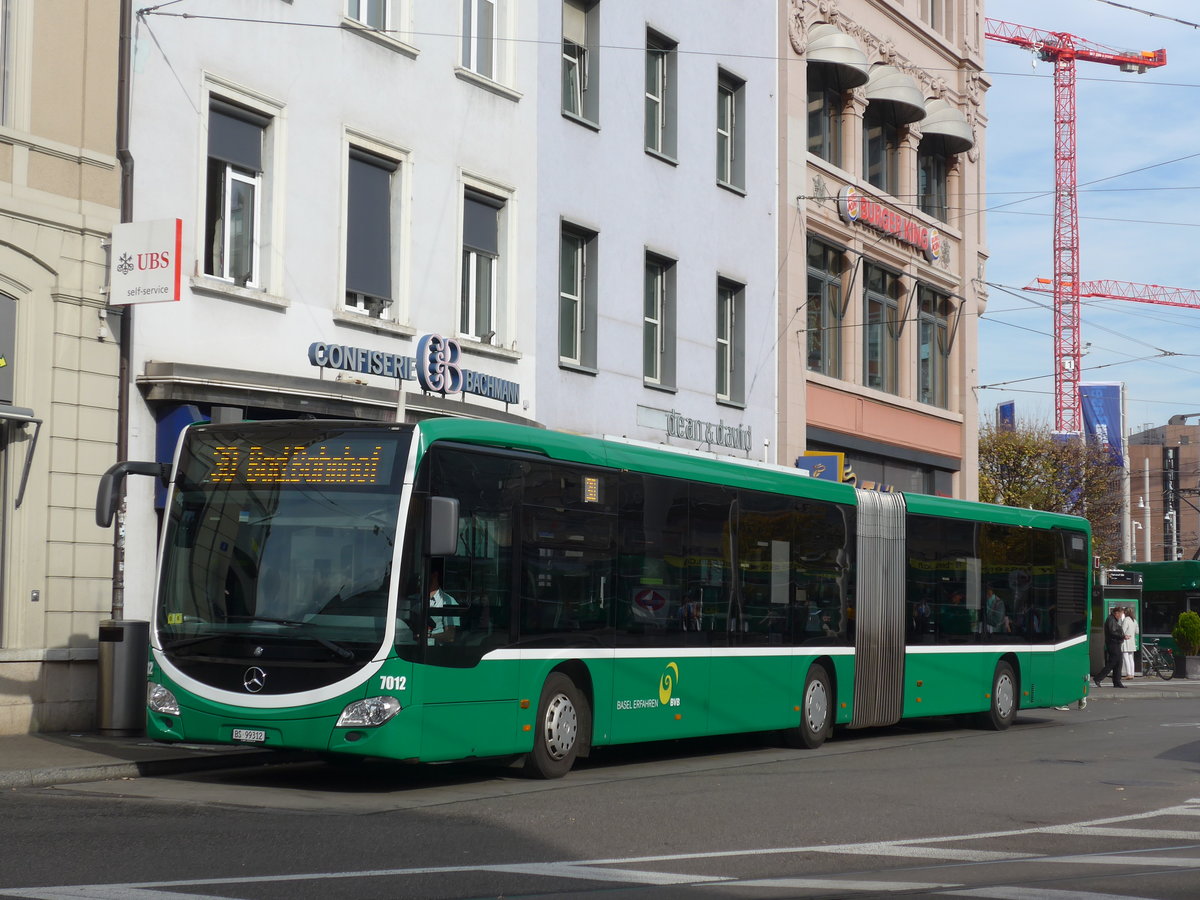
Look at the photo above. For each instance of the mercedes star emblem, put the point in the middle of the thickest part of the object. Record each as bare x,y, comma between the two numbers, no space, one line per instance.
254,679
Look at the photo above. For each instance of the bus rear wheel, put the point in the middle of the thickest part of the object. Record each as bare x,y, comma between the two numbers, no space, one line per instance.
557,729
1003,708
816,712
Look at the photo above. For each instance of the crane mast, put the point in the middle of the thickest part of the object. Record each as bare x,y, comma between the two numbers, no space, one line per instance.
1063,49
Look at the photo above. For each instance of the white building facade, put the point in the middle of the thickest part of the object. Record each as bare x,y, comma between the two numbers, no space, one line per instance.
581,194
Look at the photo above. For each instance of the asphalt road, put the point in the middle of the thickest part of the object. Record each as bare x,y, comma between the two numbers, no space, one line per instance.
1066,805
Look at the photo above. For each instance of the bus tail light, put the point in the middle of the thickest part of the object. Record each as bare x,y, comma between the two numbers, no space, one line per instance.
369,713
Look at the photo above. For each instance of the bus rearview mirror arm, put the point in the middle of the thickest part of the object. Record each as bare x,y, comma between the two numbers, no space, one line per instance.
109,492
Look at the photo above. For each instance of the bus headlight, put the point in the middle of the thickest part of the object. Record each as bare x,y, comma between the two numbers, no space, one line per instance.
160,700
369,713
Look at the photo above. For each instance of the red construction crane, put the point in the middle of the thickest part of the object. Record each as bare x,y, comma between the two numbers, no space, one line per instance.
1063,50
1188,298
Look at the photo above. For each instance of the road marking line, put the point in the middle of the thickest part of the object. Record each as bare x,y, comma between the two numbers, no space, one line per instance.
631,876
1149,833
1022,893
888,848
827,884
1126,860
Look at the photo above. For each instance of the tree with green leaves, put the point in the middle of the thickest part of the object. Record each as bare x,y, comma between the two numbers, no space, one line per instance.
1031,467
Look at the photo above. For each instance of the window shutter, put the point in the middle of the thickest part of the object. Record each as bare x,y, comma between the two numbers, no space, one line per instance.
369,232
235,135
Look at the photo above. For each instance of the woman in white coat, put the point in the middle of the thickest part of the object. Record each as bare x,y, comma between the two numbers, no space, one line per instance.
1129,644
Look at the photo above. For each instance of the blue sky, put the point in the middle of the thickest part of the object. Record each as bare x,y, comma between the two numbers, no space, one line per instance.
1141,227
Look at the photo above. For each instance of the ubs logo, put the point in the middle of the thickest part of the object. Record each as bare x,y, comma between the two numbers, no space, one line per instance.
254,680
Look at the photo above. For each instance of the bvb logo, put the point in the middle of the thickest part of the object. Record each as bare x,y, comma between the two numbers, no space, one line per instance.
666,683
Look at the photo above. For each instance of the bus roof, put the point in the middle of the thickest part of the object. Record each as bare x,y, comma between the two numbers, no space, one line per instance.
668,460
1172,575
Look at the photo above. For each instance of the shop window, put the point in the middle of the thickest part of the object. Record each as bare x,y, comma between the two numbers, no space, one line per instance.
881,331
823,309
933,346
826,105
881,149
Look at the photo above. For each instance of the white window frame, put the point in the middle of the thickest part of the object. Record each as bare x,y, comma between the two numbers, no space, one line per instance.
499,274
727,135
471,42
232,175
399,158
726,338
656,95
268,213
359,11
654,310
575,298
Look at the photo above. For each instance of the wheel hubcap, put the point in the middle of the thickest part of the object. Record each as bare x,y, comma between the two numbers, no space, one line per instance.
1005,696
561,727
816,707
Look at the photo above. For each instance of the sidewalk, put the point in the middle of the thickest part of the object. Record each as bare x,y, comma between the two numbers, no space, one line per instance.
41,760
1150,686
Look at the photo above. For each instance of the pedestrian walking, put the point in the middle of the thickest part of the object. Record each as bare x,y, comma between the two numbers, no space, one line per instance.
1114,637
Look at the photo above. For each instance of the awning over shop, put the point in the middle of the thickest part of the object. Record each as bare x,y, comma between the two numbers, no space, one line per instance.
891,87
22,417
831,47
946,121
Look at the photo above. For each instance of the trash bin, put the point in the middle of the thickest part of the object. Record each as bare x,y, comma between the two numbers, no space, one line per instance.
121,683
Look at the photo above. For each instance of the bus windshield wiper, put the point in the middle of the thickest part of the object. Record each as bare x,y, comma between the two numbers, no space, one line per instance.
264,619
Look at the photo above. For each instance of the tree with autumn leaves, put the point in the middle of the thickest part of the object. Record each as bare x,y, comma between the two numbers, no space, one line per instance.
1031,467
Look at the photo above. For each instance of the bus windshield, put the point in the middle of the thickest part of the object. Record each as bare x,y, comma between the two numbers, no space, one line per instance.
284,536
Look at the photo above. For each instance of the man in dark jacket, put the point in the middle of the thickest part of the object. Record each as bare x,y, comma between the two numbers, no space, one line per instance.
1114,635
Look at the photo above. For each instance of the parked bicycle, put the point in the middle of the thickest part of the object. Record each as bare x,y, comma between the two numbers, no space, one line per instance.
1156,659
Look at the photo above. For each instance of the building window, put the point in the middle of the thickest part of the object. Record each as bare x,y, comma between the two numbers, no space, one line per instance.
580,77
479,37
730,341
661,59
932,168
577,297
881,150
233,192
7,61
658,322
372,13
881,316
824,309
479,307
369,255
933,350
825,108
731,132
939,15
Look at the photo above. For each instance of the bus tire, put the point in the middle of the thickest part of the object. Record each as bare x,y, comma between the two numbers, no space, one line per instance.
1003,707
816,712
558,729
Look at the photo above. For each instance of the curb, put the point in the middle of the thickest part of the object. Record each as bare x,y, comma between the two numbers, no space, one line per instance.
48,777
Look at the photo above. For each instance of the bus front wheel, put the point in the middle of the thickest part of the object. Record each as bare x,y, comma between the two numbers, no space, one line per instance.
557,729
816,712
1003,708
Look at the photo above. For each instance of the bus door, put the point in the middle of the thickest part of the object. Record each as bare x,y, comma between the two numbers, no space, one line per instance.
879,610
468,684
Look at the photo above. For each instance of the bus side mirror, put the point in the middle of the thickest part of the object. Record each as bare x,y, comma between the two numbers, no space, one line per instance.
109,491
443,526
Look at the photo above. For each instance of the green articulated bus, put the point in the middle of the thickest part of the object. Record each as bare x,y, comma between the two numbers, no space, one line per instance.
1168,589
458,589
